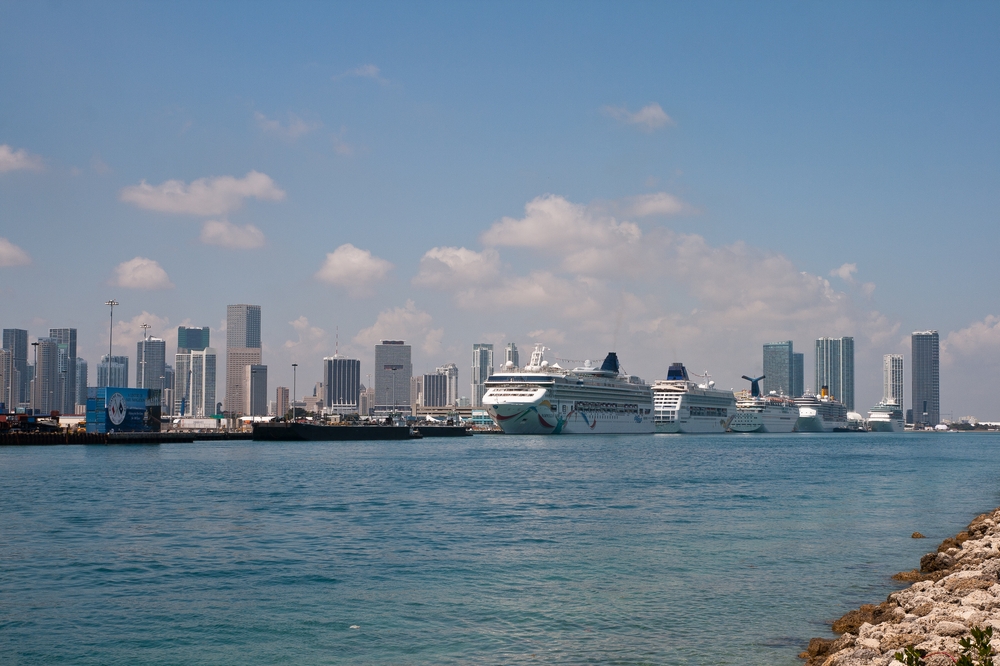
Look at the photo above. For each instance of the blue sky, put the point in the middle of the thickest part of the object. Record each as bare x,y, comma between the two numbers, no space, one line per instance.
800,169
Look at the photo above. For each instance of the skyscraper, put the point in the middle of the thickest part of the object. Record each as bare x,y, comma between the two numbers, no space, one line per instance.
450,371
482,368
66,389
393,370
8,381
892,379
182,383
778,367
255,381
242,349
510,357
835,368
45,396
119,372
342,378
150,362
435,390
281,403
16,340
798,374
193,339
81,382
925,391
202,388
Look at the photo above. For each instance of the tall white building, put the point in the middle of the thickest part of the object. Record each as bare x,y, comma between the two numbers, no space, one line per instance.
892,379
450,371
150,363
202,388
242,349
482,368
8,381
393,370
182,383
510,357
66,385
835,368
118,372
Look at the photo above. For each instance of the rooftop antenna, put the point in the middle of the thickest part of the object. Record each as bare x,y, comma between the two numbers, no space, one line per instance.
336,347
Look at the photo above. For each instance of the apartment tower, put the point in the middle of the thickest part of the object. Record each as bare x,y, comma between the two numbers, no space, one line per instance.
242,350
925,378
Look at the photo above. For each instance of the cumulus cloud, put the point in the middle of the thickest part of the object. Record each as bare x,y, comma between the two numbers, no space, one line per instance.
227,234
659,203
980,341
405,323
18,160
12,255
845,272
205,196
311,338
649,118
141,273
130,331
354,269
368,71
446,267
293,129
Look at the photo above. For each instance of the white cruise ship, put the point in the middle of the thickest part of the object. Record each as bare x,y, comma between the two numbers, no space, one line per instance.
682,406
820,413
543,399
763,413
886,416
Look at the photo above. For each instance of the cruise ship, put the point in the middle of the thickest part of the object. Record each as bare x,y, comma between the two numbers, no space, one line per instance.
886,416
683,406
543,399
763,413
820,413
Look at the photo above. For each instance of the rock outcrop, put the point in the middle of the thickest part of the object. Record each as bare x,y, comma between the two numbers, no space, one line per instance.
956,588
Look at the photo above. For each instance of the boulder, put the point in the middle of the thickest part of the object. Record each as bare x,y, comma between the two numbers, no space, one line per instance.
950,629
917,535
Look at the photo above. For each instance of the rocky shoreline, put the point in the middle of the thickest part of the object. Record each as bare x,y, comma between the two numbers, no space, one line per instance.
956,588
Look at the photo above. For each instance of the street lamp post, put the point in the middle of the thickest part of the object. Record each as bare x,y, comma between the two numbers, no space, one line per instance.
111,331
294,367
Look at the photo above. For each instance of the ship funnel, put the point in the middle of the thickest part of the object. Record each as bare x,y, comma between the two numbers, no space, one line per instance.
610,363
754,385
677,372
824,391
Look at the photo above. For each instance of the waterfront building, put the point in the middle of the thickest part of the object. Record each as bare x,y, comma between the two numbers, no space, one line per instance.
118,374
202,387
366,401
168,390
482,368
510,357
835,368
150,363
435,390
192,338
182,383
450,371
16,341
925,378
255,383
80,390
393,370
798,374
66,388
45,397
464,402
778,368
8,381
281,402
342,384
242,349
416,393
892,379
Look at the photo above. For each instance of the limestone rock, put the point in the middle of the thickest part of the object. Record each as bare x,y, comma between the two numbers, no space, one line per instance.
950,629
917,535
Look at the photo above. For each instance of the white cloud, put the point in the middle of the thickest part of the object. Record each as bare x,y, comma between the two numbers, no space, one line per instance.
130,331
141,273
227,234
312,339
405,323
547,336
354,269
659,203
649,118
368,71
449,267
205,196
845,272
980,341
340,146
292,130
12,255
18,160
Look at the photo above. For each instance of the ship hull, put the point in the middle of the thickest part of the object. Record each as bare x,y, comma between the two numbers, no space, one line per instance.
539,418
891,425
302,432
764,422
694,425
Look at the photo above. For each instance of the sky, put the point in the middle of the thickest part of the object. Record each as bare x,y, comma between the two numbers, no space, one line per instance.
673,181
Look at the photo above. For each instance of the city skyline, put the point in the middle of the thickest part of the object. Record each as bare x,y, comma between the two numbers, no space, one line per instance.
667,203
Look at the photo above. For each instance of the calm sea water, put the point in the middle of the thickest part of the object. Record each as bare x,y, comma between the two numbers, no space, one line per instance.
491,549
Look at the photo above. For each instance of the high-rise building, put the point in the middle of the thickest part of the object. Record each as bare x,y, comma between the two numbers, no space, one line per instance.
435,390
450,371
342,378
150,363
81,383
416,392
118,373
835,368
182,383
778,367
892,379
242,349
167,395
281,403
66,388
925,378
393,370
16,340
193,339
510,357
8,381
482,368
202,388
255,381
798,374
366,401
45,396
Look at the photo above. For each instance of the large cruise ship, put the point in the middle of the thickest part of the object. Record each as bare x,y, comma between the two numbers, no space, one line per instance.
886,416
820,413
683,406
763,413
543,399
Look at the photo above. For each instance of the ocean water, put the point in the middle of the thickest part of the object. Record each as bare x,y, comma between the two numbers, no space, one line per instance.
730,549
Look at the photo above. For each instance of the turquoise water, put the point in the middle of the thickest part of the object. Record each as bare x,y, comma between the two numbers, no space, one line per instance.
630,550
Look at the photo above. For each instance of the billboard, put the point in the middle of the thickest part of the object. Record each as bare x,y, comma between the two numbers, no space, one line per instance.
114,409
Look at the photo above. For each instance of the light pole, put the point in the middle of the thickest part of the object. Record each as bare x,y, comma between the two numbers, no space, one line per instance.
34,380
294,367
145,327
111,331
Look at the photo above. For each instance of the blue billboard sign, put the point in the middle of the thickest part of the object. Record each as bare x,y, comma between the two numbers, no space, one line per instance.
115,409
